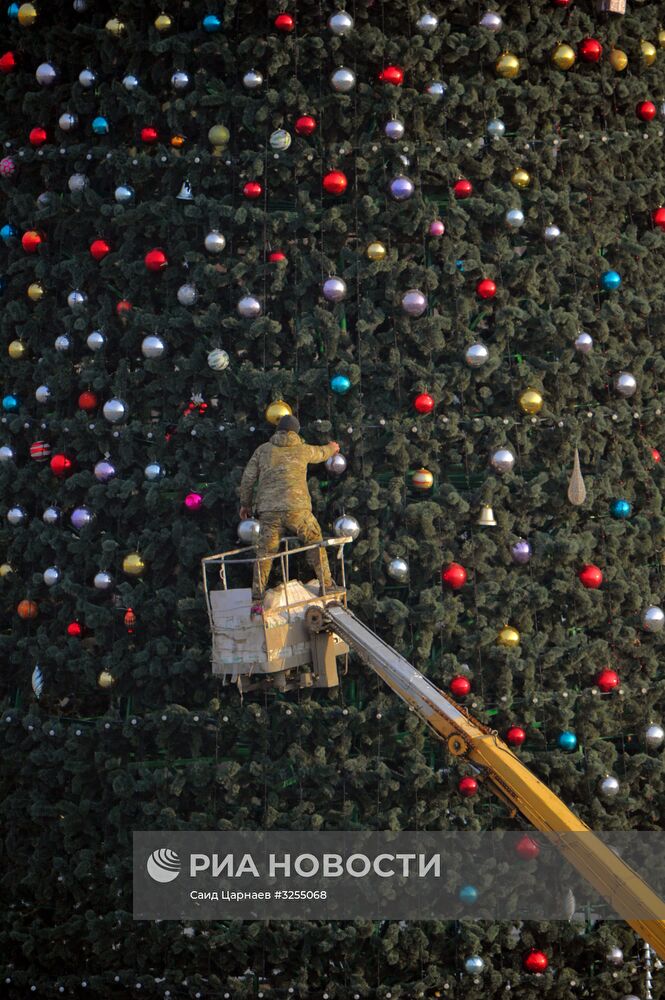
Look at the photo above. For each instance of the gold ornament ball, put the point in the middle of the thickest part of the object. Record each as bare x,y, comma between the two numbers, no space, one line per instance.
16,350
661,38
218,135
508,636
618,60
27,15
507,66
376,250
422,479
6,569
276,410
178,141
115,26
163,22
105,679
648,52
531,401
133,564
520,178
36,291
563,56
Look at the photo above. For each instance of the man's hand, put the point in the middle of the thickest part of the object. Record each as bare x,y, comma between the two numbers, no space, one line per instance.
336,447
245,512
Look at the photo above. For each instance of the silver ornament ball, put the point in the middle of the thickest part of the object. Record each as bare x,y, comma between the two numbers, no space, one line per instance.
491,21
343,80
77,182
625,384
180,80
346,525
102,580
62,343
653,619
123,193
42,394
608,787
130,82
51,515
115,411
67,121
252,79
336,464
87,78
551,234
248,531
436,89
394,129
584,343
77,300
428,23
7,453
280,140
474,965
340,23
398,569
214,241
16,516
614,955
654,736
414,302
153,346
476,355
104,471
502,460
81,517
80,6
46,74
218,360
496,128
153,472
187,295
51,576
334,289
515,218
96,340
249,307
401,188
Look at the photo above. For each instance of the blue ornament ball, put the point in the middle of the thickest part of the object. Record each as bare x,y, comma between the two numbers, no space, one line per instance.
621,509
468,894
459,264
610,280
100,125
211,23
340,384
12,12
10,403
567,740
8,233
3,284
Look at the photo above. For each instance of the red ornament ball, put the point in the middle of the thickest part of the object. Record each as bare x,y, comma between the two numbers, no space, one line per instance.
40,451
527,848
424,403
468,787
590,50
305,125
277,257
462,188
562,3
607,680
335,182
38,136
75,629
646,110
515,736
590,576
486,288
123,307
61,465
535,961
149,134
99,249
88,401
460,686
658,218
655,454
156,260
454,575
31,240
285,23
252,189
393,75
7,62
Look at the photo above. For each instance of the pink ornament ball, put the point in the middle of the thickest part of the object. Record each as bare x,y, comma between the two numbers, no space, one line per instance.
193,501
436,228
7,167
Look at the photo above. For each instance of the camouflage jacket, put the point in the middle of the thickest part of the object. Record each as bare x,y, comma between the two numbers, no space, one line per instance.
278,469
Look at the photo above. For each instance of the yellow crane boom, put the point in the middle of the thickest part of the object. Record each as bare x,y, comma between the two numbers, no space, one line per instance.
465,737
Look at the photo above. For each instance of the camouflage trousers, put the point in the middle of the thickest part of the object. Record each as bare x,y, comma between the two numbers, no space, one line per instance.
275,524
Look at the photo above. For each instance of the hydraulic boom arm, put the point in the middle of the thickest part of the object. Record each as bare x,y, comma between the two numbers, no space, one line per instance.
510,779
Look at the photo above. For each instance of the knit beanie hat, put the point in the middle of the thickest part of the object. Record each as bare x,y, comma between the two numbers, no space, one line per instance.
289,423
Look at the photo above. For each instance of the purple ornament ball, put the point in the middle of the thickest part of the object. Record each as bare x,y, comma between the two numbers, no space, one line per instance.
521,551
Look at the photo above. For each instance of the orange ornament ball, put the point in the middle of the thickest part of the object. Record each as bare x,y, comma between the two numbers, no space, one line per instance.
27,609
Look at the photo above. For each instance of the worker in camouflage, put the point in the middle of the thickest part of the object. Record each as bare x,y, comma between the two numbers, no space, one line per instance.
278,471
